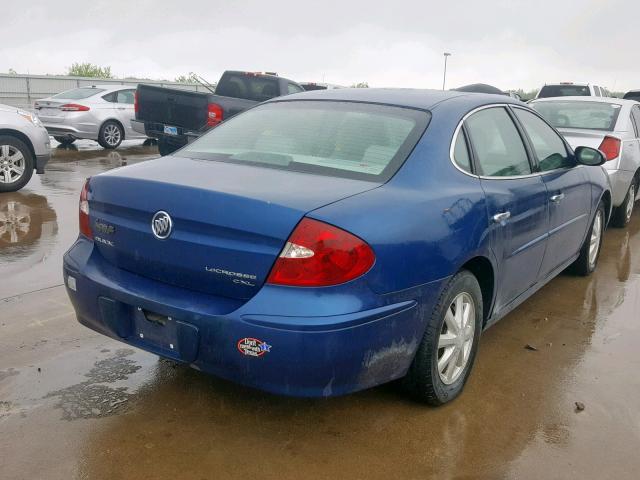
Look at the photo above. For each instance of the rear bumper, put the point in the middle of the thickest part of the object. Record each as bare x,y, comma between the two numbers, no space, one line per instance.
76,124
330,347
156,130
71,131
620,182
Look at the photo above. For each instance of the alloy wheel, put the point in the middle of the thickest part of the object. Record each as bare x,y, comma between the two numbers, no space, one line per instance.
112,135
12,164
631,198
456,338
596,235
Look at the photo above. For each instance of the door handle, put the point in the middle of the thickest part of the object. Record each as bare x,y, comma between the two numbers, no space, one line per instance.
501,217
557,198
122,108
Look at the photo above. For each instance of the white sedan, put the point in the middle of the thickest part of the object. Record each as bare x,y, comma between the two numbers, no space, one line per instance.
100,112
611,125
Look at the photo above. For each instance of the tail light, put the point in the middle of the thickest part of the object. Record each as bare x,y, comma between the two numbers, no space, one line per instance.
610,146
85,225
214,114
320,255
135,102
74,107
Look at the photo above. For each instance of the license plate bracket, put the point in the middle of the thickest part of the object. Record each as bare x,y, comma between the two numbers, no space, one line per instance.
169,130
166,335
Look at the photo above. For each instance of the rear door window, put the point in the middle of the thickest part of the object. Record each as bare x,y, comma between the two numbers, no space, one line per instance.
635,113
125,96
461,153
547,144
499,149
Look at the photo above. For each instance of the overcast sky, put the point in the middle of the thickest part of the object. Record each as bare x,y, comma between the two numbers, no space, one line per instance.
510,44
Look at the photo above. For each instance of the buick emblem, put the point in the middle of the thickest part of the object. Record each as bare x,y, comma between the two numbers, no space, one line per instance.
161,225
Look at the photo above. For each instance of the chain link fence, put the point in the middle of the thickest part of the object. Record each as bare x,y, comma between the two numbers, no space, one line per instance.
22,90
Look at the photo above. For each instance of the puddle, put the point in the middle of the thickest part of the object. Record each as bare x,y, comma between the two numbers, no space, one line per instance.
97,397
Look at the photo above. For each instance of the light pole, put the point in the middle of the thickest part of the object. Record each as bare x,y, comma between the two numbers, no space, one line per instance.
444,78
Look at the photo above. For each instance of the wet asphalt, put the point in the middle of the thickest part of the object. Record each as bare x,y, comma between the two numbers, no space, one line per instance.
75,404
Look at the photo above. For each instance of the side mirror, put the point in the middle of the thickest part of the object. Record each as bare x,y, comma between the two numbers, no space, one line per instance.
589,156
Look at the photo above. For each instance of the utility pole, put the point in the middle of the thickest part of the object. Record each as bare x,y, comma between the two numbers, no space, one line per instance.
444,77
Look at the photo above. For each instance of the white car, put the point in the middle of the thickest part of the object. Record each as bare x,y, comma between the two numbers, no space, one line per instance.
24,147
100,112
570,89
611,125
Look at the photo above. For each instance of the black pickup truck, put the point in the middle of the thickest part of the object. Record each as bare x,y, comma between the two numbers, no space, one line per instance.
175,116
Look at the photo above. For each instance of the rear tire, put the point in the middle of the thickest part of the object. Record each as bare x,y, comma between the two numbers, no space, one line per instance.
64,141
16,163
166,148
110,135
431,378
588,259
622,214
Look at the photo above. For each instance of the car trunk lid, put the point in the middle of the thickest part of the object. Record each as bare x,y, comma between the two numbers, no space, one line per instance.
589,138
230,221
49,110
583,137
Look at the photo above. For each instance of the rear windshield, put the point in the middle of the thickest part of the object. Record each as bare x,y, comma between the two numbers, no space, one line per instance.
564,91
78,93
249,87
341,139
632,96
589,115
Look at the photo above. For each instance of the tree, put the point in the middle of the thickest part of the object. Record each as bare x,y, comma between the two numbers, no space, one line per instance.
89,70
191,78
360,85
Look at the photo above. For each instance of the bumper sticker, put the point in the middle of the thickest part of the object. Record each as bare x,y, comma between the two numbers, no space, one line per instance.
253,347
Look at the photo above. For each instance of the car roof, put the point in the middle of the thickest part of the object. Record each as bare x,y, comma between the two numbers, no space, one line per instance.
402,97
614,101
111,87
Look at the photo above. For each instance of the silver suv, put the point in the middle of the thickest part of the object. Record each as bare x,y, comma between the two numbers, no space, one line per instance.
24,147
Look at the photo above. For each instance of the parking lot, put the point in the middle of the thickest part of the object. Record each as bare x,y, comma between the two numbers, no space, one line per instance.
74,403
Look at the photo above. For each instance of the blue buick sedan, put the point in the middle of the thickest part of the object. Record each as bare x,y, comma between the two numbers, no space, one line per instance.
326,242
